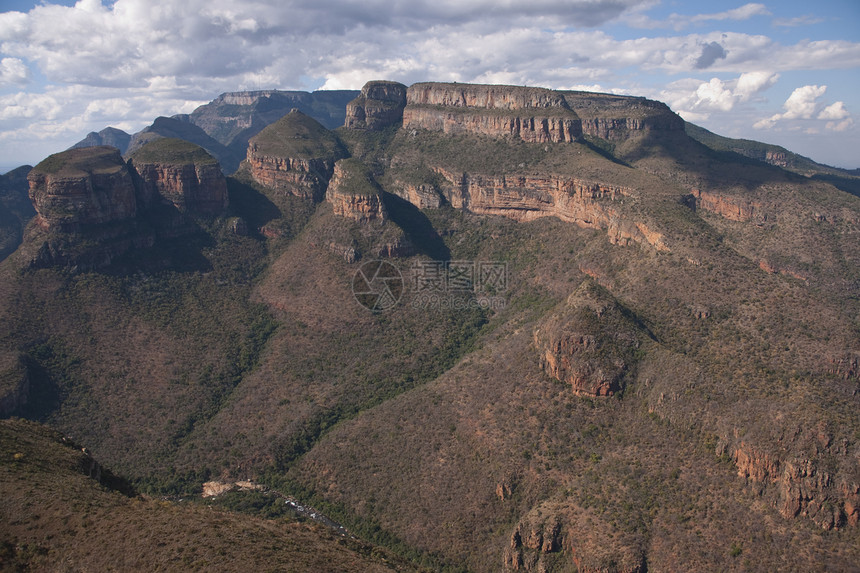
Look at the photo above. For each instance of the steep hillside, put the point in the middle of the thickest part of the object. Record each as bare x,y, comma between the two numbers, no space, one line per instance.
175,129
493,328
61,510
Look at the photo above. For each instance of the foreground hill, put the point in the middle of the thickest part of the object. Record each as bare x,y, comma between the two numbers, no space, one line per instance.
490,327
62,511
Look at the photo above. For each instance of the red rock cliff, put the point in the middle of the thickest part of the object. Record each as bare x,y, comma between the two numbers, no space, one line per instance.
532,114
180,173
353,193
294,155
379,105
82,187
528,197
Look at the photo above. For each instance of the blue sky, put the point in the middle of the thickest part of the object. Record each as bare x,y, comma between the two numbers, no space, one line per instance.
784,72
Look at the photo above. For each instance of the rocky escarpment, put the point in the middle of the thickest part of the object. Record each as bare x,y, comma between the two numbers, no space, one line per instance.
531,114
528,197
590,343
295,155
354,194
181,174
616,118
82,187
90,203
729,207
379,105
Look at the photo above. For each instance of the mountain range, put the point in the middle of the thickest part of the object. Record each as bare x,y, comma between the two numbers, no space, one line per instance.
473,327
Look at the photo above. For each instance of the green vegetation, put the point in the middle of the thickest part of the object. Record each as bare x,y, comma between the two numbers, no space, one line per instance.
299,136
76,162
172,151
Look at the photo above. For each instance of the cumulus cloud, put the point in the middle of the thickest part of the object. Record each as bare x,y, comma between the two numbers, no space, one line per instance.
803,104
695,100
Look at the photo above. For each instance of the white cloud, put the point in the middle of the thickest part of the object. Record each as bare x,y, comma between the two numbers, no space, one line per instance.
834,111
695,100
751,83
801,104
13,71
681,21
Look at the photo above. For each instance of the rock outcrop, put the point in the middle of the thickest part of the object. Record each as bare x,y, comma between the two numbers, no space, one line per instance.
295,155
89,202
181,174
616,118
354,194
379,105
561,535
83,186
532,114
590,343
729,207
529,197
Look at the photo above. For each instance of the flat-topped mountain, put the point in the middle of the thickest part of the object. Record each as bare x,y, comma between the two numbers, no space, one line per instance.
488,327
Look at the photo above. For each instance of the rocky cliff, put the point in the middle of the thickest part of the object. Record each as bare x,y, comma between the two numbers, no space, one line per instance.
532,114
295,155
616,118
528,197
182,174
82,187
379,105
89,202
354,194
590,343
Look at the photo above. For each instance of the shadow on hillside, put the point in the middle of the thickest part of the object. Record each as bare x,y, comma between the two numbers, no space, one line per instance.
846,184
417,226
709,167
251,205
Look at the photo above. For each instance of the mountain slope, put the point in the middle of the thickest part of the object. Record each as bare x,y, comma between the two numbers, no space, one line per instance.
60,511
609,346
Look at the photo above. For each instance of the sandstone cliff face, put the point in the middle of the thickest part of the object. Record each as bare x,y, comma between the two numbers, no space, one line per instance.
532,114
730,207
305,178
590,343
294,155
528,197
190,188
616,118
379,105
82,187
800,485
353,193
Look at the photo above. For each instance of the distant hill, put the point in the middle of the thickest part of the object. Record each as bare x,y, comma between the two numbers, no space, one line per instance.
846,179
108,136
169,127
